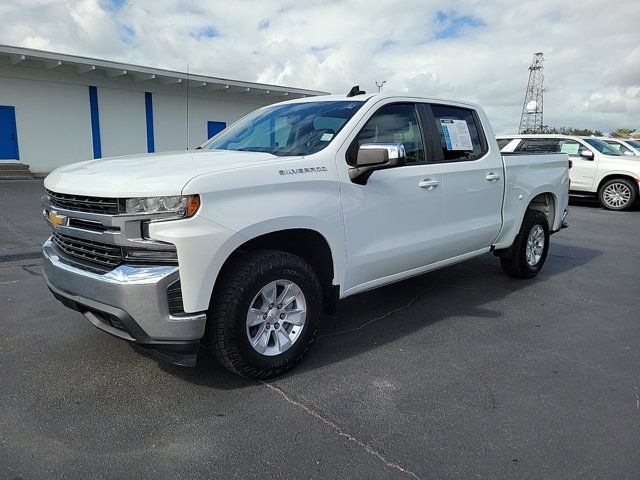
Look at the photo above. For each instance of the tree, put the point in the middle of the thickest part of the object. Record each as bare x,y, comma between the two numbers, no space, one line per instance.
581,132
622,132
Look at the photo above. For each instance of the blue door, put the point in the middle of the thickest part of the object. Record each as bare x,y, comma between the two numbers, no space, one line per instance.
8,134
214,128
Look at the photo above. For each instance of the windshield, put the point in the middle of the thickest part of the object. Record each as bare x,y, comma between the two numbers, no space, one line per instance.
613,143
286,130
634,143
601,146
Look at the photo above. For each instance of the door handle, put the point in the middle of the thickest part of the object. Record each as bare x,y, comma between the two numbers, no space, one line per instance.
428,184
492,177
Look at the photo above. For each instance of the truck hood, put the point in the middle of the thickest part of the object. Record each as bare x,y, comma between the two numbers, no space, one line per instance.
148,174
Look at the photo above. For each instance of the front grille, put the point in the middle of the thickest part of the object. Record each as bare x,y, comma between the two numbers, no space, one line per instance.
174,297
80,203
99,253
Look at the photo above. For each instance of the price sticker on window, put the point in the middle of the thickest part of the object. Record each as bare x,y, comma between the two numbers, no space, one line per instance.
570,148
456,134
326,137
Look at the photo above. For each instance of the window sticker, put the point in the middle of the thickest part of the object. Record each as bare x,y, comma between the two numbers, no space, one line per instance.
456,134
326,137
570,148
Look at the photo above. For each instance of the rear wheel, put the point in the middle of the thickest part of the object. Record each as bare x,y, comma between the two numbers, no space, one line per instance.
617,194
528,253
265,313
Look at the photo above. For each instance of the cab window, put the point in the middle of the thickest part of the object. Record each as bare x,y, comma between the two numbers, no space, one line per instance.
570,147
460,135
394,123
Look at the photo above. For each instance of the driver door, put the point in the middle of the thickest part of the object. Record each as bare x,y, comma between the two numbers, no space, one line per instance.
393,223
583,171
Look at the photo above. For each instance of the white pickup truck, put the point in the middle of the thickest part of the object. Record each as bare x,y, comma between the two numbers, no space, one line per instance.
599,169
246,241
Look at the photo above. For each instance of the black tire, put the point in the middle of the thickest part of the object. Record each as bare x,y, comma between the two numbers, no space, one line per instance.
239,283
623,184
514,261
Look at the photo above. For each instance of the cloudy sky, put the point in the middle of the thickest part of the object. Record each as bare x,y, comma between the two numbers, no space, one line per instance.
468,49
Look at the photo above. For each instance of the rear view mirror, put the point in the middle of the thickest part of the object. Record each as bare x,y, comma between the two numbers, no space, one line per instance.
586,154
377,156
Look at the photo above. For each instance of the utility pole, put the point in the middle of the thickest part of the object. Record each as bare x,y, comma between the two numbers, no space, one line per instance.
380,85
531,118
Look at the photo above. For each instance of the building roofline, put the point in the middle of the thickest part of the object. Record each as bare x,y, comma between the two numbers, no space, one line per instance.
110,69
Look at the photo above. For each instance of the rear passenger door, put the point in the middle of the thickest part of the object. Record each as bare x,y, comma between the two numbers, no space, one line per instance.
472,179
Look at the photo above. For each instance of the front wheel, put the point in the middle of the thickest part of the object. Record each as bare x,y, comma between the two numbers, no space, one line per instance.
265,313
528,253
617,194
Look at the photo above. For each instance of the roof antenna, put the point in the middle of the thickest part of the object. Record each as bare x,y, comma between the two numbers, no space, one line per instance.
380,85
355,91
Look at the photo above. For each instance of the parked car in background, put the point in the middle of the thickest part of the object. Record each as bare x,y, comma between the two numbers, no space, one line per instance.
246,240
599,169
626,146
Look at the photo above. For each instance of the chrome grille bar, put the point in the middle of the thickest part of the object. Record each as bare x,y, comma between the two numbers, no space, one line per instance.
81,203
95,252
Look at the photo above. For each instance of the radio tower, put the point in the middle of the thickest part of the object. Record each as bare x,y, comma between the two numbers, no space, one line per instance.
531,119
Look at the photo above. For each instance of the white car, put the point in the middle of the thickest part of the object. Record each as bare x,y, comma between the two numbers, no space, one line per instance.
626,146
598,168
247,240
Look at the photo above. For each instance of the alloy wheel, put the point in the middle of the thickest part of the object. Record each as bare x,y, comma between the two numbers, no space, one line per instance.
276,317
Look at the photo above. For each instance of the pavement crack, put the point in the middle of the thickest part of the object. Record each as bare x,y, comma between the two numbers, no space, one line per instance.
341,431
377,319
18,229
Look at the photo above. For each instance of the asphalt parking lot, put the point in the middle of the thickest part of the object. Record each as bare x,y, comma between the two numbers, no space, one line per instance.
461,373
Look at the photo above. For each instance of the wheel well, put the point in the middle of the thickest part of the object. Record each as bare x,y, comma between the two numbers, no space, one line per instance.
545,203
614,176
309,245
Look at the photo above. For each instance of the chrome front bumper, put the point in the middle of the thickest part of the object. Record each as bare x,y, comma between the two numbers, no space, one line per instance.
129,302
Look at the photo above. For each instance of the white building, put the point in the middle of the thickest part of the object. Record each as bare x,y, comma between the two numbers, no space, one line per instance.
57,109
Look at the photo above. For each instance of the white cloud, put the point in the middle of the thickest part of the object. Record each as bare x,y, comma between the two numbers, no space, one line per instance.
467,49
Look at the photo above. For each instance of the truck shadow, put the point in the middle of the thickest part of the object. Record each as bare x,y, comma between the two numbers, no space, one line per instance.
373,319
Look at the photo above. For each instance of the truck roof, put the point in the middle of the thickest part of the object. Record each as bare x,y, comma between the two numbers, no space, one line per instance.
381,96
552,135
537,135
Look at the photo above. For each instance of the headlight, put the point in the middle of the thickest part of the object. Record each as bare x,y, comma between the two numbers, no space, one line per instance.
179,206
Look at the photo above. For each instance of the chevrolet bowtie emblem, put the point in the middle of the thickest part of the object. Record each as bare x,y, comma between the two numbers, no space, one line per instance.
57,220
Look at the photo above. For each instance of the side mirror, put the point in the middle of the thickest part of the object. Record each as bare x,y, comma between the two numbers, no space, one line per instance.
376,156
586,154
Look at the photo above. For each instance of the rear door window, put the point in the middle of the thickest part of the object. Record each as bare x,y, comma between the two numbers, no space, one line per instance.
460,134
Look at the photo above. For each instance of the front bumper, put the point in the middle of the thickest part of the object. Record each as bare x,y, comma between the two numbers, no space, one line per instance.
129,302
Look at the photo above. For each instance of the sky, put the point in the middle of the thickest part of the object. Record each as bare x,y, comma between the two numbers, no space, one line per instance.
465,50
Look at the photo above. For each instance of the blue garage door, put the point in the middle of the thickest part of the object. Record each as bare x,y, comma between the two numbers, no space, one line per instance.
214,128
8,134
